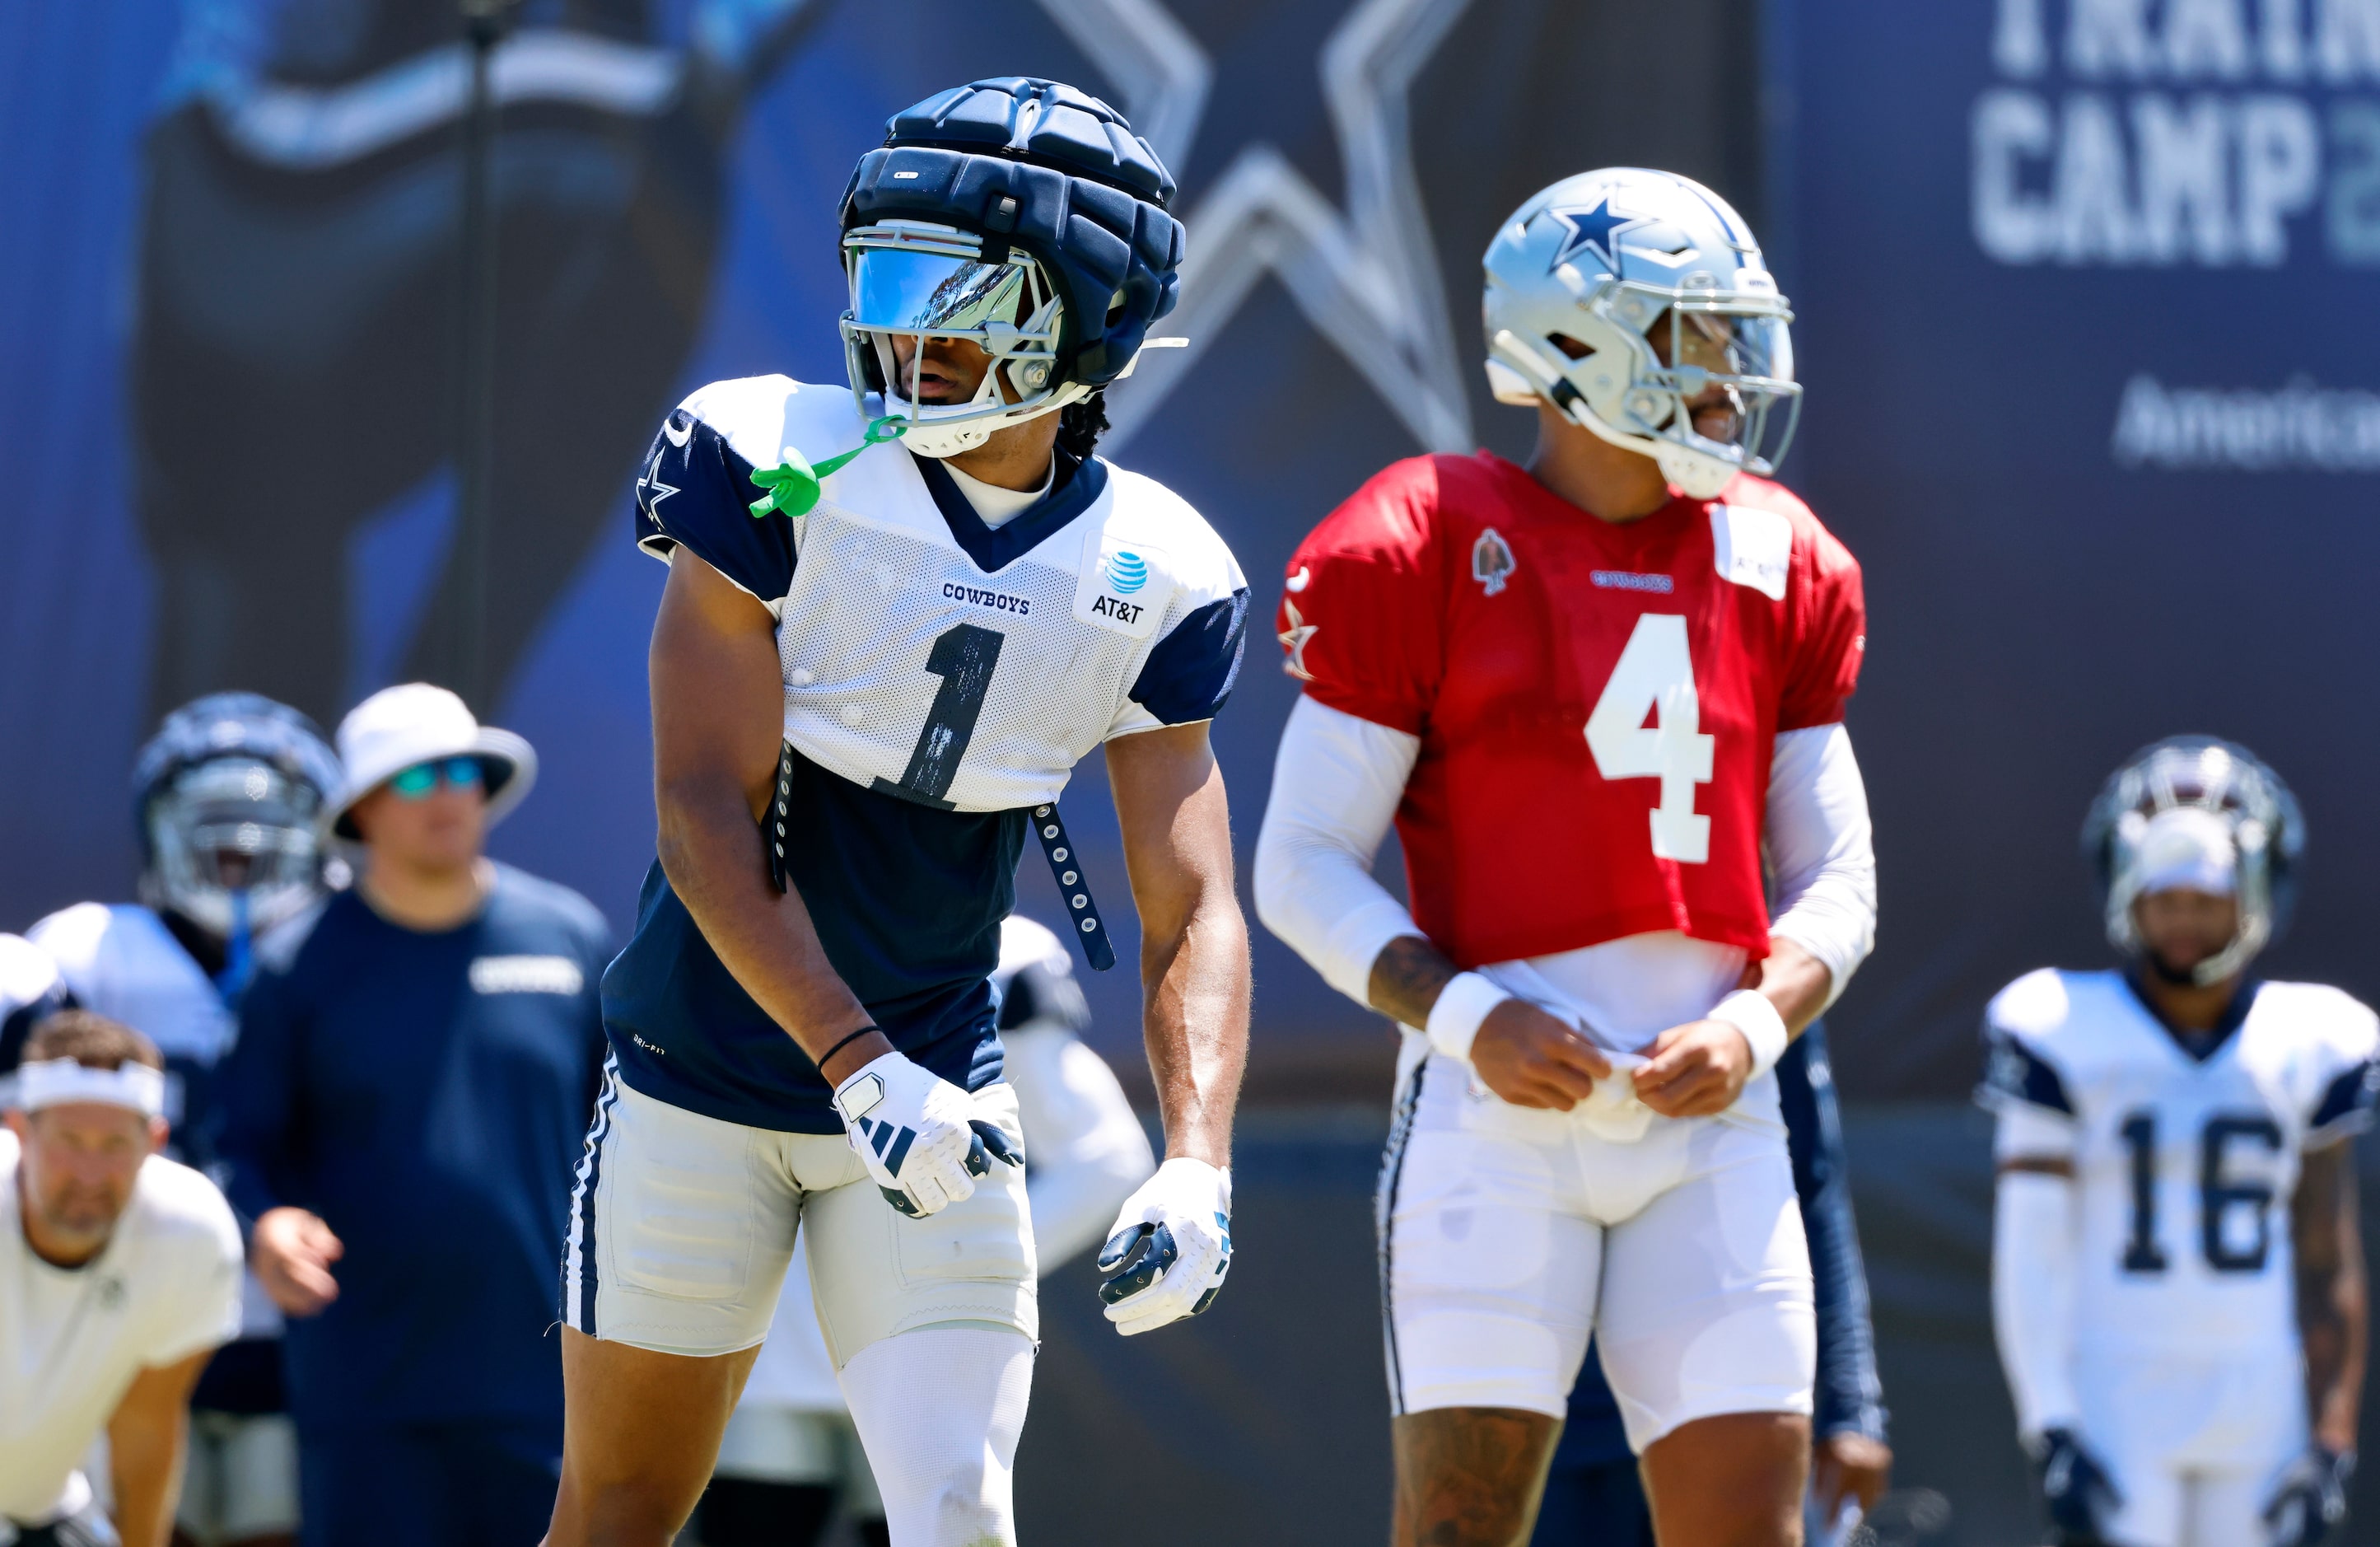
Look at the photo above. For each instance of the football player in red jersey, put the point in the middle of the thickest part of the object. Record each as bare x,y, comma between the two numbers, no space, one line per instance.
1596,695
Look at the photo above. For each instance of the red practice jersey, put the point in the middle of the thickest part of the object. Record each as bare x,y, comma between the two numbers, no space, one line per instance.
1596,703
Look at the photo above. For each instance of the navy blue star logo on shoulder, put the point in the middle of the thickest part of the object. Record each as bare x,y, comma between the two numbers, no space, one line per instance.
652,491
1593,231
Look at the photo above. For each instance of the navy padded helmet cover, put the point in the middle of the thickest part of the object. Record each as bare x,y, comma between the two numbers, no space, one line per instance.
1090,203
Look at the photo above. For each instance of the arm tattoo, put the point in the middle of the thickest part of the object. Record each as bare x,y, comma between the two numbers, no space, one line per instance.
1406,977
2330,1292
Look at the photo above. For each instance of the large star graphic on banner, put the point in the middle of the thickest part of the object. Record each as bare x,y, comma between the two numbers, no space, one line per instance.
1365,276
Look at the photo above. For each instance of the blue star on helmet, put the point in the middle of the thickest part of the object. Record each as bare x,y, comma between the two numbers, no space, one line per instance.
1592,230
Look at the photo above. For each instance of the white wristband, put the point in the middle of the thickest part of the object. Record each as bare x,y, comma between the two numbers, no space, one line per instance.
1462,1005
1749,1011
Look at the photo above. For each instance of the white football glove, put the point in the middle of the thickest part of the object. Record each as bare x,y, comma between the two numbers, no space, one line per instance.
1171,1248
913,1131
2310,1503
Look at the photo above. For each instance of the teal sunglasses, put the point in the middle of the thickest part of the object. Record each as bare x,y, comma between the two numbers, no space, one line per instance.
417,782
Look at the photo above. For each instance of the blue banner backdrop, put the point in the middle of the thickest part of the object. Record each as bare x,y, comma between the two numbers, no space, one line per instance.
2080,291
226,340
2084,297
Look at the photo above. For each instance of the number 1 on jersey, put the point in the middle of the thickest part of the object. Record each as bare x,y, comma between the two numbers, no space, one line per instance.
963,656
1656,675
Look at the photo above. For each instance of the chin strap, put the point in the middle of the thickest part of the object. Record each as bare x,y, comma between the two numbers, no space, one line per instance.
794,485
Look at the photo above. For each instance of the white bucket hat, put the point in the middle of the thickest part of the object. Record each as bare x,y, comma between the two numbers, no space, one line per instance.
397,728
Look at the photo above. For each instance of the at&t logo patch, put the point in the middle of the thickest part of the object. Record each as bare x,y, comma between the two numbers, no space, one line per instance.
1127,571
1123,586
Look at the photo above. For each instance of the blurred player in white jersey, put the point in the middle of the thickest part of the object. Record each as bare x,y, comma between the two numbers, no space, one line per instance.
226,796
31,991
2177,1268
120,1276
790,1449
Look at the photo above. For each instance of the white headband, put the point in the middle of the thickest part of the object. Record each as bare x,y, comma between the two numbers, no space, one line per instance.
56,1081
2188,848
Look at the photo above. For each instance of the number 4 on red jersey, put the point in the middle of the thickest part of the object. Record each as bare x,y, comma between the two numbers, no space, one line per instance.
1596,701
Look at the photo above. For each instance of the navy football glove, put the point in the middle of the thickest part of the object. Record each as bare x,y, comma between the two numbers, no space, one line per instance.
2074,1486
2311,1502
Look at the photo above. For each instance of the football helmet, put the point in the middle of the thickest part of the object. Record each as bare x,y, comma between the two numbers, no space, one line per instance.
1637,304
1022,216
228,794
2227,781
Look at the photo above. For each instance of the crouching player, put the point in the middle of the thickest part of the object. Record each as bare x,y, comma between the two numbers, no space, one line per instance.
1592,693
119,1276
2177,1270
871,676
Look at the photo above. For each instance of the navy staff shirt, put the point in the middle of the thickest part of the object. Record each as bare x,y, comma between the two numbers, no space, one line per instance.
427,1094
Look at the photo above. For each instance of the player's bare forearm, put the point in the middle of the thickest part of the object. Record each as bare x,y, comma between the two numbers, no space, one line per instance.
145,1440
1521,1053
1793,981
1407,976
718,718
2332,1312
1193,942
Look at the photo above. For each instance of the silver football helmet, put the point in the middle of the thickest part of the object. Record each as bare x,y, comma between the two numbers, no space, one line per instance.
228,796
234,836
2228,782
1637,304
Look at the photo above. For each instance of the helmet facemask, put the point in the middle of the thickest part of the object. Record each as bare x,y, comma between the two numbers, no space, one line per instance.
1699,380
233,844
923,281
2265,828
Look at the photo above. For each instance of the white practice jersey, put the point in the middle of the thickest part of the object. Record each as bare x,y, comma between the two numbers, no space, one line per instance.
31,989
121,961
925,653
71,1340
2186,1165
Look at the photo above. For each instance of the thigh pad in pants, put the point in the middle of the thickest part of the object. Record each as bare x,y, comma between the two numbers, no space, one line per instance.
681,1227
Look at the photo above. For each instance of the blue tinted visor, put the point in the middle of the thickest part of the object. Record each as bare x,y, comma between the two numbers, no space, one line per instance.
898,291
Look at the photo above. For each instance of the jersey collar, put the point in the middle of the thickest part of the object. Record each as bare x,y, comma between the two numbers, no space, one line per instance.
2188,1043
1072,490
1659,525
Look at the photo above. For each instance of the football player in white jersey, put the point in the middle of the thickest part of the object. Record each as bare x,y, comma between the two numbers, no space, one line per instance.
790,1449
227,794
2177,1270
872,673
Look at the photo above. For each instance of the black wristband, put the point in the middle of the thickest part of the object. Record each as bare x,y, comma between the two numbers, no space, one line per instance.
838,1047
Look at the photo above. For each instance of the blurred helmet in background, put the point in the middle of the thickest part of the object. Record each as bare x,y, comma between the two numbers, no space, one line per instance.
2193,810
228,796
1022,216
1637,304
